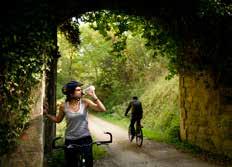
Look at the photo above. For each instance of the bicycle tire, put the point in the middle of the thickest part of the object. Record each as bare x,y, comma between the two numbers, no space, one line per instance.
139,138
130,136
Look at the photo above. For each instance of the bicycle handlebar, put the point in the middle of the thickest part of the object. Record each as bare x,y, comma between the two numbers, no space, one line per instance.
54,146
104,142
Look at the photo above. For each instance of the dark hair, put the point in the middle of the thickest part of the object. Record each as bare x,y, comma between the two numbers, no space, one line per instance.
135,97
70,87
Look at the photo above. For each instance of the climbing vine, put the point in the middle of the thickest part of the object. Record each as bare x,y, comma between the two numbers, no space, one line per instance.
27,40
25,50
23,74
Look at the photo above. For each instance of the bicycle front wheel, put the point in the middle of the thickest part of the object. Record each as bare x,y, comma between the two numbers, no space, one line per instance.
139,138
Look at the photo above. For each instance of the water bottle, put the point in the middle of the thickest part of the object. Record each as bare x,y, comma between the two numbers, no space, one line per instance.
88,89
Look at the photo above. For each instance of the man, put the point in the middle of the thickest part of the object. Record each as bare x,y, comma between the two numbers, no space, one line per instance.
136,114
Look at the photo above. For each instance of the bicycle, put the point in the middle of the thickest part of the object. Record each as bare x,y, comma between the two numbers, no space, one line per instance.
80,159
138,135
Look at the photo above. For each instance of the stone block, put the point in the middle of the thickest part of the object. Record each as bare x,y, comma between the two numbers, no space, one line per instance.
207,106
217,141
206,144
227,108
227,147
203,131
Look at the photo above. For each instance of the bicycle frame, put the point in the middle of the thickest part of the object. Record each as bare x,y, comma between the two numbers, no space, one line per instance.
81,162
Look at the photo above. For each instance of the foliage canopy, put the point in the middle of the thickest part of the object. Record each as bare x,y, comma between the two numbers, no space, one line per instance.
28,40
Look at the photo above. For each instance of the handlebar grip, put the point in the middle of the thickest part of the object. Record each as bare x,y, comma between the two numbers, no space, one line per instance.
110,141
105,142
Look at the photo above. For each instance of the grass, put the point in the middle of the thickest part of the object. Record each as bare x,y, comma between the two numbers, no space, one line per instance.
124,123
161,111
99,152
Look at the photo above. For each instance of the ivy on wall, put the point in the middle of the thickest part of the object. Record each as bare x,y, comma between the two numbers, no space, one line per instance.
27,34
26,43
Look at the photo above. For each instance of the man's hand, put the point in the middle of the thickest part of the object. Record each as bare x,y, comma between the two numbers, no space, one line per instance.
45,109
125,115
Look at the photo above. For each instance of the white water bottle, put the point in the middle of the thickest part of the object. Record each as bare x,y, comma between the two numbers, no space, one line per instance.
88,89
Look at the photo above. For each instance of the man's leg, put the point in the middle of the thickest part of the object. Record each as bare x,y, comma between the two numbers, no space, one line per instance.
138,125
132,125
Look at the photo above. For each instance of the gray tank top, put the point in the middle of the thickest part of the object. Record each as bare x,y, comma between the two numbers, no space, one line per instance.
76,122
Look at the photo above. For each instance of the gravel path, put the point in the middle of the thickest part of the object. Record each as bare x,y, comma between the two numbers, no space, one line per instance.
122,153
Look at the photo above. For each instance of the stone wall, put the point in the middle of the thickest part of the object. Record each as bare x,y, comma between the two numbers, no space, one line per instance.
206,112
30,149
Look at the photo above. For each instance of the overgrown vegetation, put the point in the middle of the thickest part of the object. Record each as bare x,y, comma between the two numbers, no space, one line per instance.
117,78
161,112
133,57
27,35
22,73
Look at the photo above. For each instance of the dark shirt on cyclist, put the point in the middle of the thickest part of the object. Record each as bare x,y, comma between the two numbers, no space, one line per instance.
136,109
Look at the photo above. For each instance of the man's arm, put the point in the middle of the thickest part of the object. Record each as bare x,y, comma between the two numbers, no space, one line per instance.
97,105
128,109
56,118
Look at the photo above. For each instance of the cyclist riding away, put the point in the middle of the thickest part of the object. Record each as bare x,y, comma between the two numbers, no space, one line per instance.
136,114
74,109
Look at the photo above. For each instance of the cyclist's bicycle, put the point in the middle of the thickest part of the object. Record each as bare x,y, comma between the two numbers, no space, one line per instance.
80,160
138,135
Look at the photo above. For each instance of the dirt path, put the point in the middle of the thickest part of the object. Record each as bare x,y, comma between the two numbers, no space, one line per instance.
122,153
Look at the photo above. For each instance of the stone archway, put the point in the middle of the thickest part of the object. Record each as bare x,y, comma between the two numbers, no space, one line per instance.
205,93
205,120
